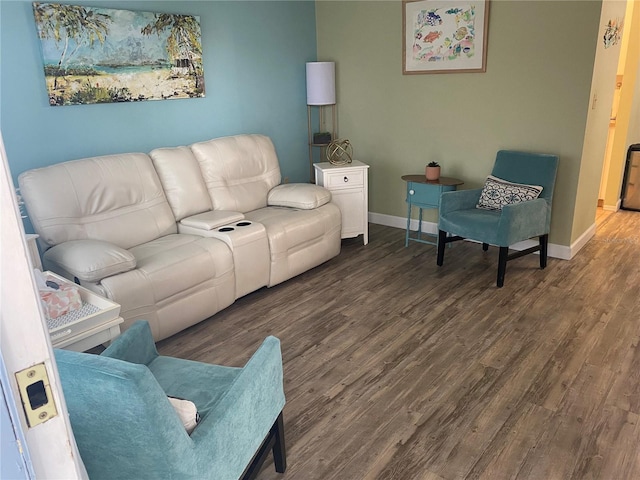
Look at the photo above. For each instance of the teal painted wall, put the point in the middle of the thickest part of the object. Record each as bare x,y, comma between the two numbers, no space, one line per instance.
254,56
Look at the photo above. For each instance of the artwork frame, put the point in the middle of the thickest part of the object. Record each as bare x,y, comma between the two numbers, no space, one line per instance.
104,55
444,36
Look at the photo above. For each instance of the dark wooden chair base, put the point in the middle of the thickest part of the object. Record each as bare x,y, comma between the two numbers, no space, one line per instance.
273,442
503,257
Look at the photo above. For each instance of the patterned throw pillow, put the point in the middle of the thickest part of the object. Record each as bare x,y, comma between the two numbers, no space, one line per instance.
497,193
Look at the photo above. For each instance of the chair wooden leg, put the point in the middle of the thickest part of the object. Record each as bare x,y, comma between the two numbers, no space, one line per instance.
279,449
442,240
273,442
485,246
544,243
502,265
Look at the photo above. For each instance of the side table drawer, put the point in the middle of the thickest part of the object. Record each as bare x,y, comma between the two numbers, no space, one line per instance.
344,179
101,334
420,193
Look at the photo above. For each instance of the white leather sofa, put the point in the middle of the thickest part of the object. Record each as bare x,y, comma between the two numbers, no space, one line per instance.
177,235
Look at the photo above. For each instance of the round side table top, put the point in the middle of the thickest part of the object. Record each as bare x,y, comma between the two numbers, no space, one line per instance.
446,181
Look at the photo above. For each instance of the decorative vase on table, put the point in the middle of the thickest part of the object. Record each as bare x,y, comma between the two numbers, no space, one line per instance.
432,171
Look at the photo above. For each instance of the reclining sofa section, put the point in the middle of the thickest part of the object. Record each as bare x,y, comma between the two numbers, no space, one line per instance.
177,235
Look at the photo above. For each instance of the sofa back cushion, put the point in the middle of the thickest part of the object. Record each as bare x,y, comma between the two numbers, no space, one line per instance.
182,181
115,198
238,171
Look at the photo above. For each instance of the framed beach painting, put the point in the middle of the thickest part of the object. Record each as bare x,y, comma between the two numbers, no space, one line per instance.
444,36
100,55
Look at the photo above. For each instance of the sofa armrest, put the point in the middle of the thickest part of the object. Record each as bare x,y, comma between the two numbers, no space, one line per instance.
135,345
234,430
304,196
90,260
459,200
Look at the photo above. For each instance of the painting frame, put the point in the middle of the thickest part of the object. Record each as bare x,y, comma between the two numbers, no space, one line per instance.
105,55
459,46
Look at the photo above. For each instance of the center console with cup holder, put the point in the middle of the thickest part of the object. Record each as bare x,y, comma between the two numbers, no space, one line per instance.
250,248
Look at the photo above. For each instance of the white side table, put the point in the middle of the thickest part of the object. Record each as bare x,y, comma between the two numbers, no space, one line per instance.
97,322
349,189
101,334
32,246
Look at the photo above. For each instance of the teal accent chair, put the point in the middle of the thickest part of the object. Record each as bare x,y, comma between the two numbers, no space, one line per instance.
126,428
460,219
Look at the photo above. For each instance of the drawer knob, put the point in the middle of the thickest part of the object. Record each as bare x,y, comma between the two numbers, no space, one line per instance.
412,191
346,179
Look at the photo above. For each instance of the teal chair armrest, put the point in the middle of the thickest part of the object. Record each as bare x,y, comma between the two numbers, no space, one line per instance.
126,428
459,200
229,435
115,407
521,221
135,345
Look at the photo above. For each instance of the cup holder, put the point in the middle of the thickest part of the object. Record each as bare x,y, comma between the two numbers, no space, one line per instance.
243,224
226,229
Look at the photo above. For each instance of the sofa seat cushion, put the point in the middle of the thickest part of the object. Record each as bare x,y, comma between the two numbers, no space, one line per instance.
299,239
175,263
195,273
298,195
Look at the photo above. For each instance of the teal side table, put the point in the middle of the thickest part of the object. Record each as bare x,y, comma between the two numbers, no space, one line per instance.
423,193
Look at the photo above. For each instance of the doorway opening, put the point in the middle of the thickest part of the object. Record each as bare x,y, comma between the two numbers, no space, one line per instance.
622,99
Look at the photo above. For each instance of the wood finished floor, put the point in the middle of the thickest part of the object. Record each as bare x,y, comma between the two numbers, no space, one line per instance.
397,369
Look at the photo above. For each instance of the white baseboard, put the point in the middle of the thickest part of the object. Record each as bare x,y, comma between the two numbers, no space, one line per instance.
562,252
582,240
613,208
401,222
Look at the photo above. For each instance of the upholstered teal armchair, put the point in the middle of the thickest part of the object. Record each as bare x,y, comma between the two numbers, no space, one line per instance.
461,219
126,428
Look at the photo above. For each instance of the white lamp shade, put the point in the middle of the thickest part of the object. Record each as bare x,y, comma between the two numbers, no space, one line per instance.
321,83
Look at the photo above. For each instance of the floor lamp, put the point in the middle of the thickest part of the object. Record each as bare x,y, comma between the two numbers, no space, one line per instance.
321,93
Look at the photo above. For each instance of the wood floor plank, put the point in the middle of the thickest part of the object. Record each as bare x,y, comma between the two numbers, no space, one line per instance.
625,392
550,386
395,368
607,453
563,445
504,456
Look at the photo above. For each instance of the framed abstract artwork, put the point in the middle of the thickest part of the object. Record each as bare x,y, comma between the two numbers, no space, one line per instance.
101,55
444,36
